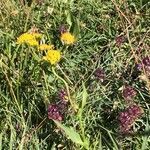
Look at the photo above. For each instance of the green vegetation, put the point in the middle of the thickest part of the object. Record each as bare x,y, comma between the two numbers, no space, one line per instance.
97,96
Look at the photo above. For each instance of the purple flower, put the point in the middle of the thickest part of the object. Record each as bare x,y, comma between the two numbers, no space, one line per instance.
100,74
124,118
146,61
128,117
139,66
119,40
128,93
145,64
124,121
63,29
63,96
135,111
54,112
147,69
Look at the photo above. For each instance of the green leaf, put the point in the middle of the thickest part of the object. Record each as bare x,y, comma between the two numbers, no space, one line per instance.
84,96
145,138
71,133
1,138
76,28
69,18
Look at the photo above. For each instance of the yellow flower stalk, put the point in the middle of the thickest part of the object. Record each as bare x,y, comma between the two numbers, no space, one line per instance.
67,38
46,47
53,56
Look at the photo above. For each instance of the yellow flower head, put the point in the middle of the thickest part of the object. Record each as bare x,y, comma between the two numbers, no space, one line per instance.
46,47
24,38
67,38
37,35
29,38
53,56
32,42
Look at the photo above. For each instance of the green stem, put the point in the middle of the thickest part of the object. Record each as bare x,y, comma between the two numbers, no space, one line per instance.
74,106
64,74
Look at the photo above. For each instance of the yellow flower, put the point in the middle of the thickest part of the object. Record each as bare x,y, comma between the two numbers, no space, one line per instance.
29,38
53,56
46,47
25,37
37,35
32,42
67,38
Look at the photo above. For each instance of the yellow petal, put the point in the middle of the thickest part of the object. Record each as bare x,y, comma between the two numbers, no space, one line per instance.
67,38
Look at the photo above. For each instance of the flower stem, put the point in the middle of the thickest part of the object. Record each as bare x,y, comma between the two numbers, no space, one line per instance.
64,74
74,106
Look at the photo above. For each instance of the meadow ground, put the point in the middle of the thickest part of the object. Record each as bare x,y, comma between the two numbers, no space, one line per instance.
75,74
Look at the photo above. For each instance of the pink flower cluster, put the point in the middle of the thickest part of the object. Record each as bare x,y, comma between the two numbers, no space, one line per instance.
55,111
128,117
128,93
145,64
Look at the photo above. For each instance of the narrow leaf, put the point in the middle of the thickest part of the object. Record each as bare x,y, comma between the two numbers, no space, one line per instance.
1,137
71,133
84,96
